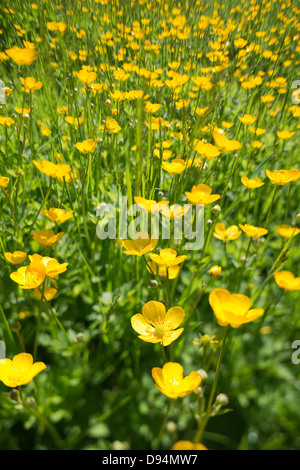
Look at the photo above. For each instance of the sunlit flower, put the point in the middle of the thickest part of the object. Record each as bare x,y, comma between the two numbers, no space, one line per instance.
251,183
155,325
287,231
287,280
57,215
47,237
86,77
48,294
31,276
141,244
111,125
4,181
188,445
171,272
6,121
164,153
226,234
201,194
52,267
232,309
167,257
17,257
87,146
148,205
254,232
151,107
22,56
215,271
208,151
52,169
170,381
282,177
285,135
30,85
20,370
225,144
175,167
247,119
175,211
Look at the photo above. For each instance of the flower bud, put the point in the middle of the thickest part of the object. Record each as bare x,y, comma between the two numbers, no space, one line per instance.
15,326
222,399
153,283
80,337
19,172
14,394
203,374
216,210
215,271
171,426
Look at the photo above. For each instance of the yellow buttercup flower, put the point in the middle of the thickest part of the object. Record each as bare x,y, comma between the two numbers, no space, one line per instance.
52,169
254,232
170,381
6,121
215,271
86,77
282,177
167,257
22,56
17,257
201,194
141,244
232,309
47,237
22,110
251,183
165,153
87,146
149,205
188,445
225,144
287,280
48,294
111,125
20,370
155,325
175,167
208,151
171,272
31,276
4,181
57,215
151,107
52,267
30,85
74,121
285,135
175,211
286,231
226,234
247,119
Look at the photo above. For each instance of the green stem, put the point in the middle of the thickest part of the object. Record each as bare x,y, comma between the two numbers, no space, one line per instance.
43,421
199,433
163,425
